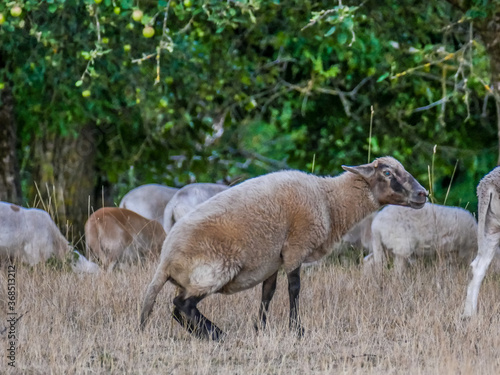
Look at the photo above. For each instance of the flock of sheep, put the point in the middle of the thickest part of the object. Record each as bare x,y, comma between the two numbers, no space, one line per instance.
216,239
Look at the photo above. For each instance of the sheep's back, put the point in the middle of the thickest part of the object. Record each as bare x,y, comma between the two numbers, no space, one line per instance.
251,220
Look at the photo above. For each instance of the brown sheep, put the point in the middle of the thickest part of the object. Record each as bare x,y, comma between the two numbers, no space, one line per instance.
242,236
116,235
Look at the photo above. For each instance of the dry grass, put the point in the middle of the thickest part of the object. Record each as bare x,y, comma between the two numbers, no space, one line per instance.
89,325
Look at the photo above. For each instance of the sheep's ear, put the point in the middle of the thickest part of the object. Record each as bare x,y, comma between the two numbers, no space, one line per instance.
365,170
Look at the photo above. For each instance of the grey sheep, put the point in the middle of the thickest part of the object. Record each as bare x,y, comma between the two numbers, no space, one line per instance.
186,199
30,236
148,200
244,235
488,235
434,229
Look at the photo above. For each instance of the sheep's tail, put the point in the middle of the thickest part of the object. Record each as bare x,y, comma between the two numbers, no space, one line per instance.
159,279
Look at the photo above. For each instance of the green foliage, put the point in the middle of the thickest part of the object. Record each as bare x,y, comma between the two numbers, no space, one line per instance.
289,81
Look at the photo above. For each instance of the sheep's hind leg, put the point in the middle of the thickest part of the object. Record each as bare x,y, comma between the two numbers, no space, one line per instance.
188,315
293,293
268,289
486,252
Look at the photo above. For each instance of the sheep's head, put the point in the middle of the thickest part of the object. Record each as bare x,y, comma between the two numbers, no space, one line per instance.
391,183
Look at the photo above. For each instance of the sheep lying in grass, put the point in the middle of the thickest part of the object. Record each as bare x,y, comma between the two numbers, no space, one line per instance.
29,235
242,236
148,200
488,194
434,229
186,199
116,235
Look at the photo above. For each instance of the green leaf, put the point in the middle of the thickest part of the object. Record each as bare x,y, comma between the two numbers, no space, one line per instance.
52,8
127,4
78,83
342,38
331,31
383,76
349,23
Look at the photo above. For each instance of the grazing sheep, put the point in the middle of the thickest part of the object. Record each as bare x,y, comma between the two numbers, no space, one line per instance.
242,236
186,199
488,236
358,238
30,236
434,229
117,235
148,200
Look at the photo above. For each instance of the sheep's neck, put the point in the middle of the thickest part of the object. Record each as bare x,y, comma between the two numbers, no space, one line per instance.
350,201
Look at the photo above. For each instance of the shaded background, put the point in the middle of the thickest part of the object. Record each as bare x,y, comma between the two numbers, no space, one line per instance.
224,91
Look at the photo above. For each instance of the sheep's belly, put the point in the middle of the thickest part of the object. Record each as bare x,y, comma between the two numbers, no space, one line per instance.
247,279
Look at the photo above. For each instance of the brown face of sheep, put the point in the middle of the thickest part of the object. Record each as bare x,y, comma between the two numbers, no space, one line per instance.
391,183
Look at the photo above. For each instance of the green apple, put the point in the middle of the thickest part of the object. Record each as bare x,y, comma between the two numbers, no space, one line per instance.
16,11
148,32
137,15
117,10
86,93
2,18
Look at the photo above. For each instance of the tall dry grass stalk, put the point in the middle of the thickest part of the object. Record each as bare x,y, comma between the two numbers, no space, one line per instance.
89,325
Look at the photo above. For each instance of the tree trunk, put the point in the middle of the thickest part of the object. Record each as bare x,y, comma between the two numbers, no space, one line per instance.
64,179
10,186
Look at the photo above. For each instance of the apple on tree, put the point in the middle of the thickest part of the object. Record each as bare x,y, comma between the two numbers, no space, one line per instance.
148,32
137,15
16,11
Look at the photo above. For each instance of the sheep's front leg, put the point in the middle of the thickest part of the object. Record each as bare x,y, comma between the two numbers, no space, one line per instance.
268,288
400,264
293,293
188,315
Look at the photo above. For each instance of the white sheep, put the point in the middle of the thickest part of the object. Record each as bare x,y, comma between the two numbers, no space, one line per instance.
434,229
488,236
30,236
186,199
242,236
148,200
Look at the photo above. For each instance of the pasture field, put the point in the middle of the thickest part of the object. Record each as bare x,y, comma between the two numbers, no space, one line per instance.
88,324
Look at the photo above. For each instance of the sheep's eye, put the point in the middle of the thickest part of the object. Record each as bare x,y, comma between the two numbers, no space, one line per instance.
387,173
